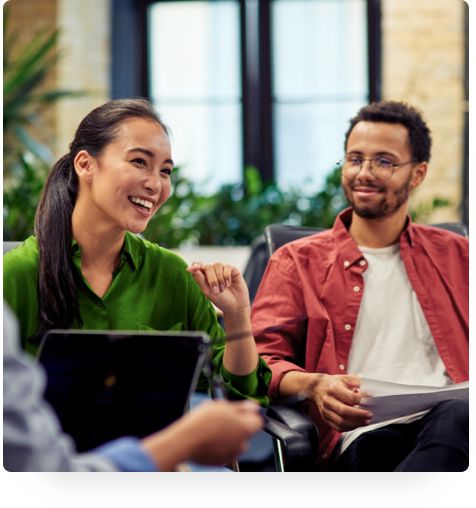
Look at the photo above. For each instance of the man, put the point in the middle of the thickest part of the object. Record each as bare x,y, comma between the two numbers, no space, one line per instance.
376,296
32,439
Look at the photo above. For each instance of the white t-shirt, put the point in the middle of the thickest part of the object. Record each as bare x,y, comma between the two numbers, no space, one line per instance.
392,340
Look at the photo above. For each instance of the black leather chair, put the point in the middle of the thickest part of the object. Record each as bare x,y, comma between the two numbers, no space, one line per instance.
301,453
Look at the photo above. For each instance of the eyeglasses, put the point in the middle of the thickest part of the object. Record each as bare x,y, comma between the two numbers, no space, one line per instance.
380,167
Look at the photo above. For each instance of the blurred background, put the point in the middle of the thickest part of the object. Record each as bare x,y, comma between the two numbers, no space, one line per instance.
257,95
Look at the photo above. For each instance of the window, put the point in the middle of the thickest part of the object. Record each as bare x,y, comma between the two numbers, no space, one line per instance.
320,81
195,82
269,83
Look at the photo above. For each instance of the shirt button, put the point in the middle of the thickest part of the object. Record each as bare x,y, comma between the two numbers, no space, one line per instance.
348,327
362,262
346,263
341,366
356,289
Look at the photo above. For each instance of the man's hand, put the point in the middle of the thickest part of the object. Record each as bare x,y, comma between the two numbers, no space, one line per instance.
337,398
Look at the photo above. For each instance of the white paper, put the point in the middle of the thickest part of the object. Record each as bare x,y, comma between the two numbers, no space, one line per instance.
393,400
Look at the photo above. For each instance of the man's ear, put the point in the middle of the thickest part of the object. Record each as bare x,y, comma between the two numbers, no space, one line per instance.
84,165
419,173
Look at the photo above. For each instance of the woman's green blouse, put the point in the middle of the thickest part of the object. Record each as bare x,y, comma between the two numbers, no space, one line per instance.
150,290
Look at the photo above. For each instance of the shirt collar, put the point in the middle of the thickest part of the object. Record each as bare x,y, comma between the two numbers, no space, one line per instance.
129,253
130,250
349,248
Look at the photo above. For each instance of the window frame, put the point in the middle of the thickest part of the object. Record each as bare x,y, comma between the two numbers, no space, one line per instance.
129,68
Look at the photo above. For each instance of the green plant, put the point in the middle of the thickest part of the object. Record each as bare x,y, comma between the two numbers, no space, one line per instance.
237,213
25,159
422,211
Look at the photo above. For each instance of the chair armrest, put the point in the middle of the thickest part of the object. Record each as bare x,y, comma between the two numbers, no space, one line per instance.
295,438
298,421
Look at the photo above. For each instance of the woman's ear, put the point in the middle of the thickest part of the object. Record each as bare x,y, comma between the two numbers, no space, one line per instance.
419,173
84,165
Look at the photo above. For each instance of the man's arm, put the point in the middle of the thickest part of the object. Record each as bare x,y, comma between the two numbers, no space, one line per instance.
281,324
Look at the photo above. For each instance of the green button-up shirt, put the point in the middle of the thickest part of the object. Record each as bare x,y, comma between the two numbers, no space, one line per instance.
150,290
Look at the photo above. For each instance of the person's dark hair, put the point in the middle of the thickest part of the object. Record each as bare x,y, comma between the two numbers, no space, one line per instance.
57,279
419,134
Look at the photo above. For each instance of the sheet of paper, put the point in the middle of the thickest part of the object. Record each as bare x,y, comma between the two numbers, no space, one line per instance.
392,400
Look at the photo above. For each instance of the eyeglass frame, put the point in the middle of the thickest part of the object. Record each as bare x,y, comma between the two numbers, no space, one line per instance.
343,162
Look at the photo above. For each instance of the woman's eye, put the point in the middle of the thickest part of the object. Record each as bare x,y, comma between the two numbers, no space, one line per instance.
167,171
141,162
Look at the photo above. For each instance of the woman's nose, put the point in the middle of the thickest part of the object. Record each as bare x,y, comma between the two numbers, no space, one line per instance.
153,182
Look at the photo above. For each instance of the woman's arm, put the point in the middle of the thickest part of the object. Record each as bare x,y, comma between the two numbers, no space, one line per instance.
225,287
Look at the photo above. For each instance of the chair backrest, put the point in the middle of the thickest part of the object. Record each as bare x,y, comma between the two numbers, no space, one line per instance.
278,234
457,227
256,265
7,246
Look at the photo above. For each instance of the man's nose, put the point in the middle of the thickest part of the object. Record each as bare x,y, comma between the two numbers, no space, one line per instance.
366,169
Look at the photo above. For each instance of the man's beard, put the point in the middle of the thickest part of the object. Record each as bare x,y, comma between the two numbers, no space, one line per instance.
382,208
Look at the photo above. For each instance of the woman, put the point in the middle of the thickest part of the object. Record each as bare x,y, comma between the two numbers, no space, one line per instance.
86,268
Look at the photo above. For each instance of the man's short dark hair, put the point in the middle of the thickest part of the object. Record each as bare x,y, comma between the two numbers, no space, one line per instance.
400,113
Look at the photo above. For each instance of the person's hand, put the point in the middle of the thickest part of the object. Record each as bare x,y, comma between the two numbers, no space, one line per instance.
212,434
221,430
337,398
223,285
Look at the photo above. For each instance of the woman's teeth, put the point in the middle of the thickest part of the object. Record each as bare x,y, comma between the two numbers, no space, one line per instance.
142,202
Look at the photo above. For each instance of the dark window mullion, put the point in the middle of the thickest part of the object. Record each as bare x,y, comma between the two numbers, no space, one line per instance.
129,48
374,49
256,86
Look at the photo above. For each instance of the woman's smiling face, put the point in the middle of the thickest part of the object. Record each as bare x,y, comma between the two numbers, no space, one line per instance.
131,178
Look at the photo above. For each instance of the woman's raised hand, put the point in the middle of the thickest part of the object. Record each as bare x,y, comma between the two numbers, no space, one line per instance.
223,285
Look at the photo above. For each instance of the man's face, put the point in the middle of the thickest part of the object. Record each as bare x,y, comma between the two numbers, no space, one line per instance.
369,196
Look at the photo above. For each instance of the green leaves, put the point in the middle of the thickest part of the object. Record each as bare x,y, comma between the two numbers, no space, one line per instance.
25,159
236,214
21,196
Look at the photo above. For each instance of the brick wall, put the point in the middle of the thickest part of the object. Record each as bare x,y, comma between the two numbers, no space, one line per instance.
85,41
84,63
27,17
423,57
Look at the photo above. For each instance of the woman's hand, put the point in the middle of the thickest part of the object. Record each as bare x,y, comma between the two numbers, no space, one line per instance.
223,285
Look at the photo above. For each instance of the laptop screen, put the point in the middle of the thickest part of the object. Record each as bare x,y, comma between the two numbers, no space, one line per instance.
105,385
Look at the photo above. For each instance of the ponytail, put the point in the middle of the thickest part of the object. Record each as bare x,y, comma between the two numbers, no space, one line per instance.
57,280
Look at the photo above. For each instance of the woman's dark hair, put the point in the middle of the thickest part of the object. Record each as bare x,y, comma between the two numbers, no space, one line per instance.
57,278
398,112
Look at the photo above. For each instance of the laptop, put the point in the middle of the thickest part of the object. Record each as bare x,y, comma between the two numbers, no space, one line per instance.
108,384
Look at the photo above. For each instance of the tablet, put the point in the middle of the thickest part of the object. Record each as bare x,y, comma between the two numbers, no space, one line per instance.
109,384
